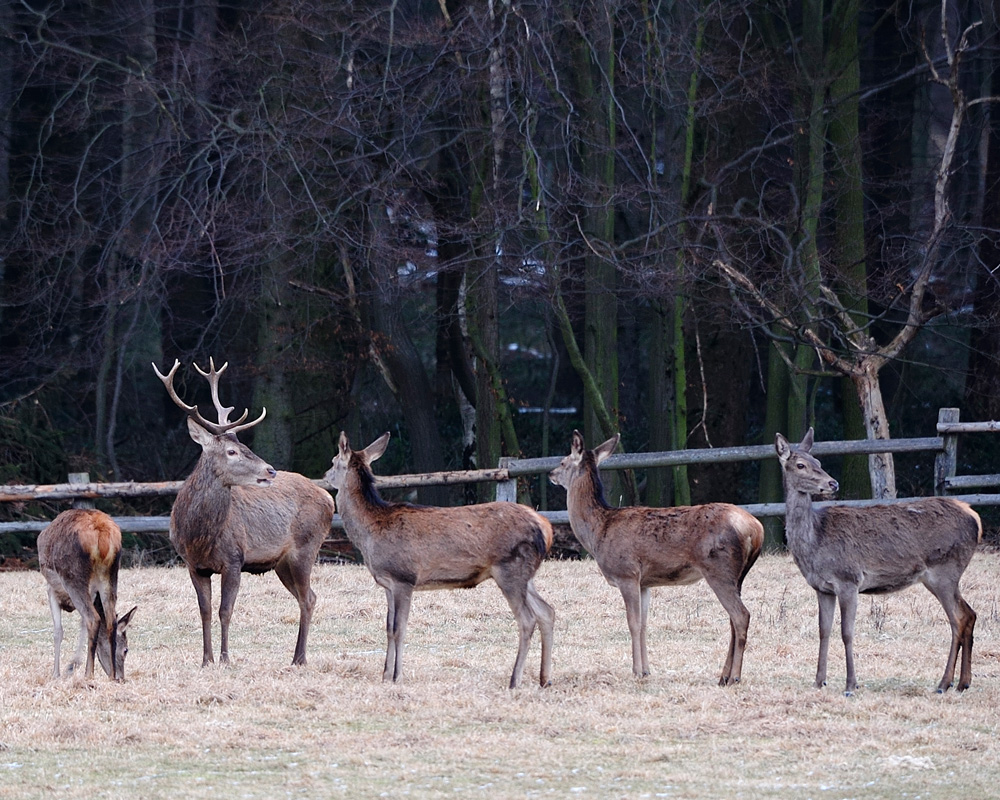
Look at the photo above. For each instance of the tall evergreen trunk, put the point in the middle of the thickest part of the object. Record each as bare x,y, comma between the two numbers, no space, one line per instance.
600,340
849,231
659,482
771,489
400,359
6,107
273,439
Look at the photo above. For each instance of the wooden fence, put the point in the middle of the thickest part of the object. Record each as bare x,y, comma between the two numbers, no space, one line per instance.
944,445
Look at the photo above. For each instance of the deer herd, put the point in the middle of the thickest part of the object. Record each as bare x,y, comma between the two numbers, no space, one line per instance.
235,513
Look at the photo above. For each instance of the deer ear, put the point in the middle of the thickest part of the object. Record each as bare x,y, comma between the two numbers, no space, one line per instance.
607,448
807,441
783,448
199,434
576,445
125,619
344,445
375,450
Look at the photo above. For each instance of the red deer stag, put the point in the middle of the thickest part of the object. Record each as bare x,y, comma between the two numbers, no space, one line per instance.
79,554
638,548
225,521
408,547
875,550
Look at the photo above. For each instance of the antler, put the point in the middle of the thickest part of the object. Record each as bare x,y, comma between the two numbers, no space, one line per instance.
212,375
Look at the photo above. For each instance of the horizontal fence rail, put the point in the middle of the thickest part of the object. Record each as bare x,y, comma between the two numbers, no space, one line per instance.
944,445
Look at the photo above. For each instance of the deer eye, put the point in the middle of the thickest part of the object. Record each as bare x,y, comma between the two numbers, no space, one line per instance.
231,452
800,465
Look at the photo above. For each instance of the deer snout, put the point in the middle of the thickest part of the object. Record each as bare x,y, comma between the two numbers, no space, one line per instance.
834,486
271,472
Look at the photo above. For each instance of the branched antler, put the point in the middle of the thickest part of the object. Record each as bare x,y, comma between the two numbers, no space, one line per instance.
212,375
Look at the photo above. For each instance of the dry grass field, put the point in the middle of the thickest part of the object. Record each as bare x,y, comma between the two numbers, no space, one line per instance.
263,729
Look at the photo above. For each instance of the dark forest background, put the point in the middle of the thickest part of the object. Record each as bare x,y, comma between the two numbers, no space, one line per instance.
482,224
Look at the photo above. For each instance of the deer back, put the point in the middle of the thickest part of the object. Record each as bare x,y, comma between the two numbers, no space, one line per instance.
211,524
80,547
425,545
886,547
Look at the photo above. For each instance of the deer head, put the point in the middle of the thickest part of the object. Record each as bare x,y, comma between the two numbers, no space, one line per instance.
236,464
801,471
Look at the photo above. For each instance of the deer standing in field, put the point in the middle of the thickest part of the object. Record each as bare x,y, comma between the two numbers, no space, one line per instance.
79,553
842,551
408,547
236,514
637,548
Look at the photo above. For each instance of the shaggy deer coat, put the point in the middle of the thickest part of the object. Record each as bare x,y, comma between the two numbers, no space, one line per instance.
79,554
637,548
408,547
236,514
842,551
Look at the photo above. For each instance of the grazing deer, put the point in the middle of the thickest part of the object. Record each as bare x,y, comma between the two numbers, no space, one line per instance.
79,553
875,550
236,514
408,547
638,548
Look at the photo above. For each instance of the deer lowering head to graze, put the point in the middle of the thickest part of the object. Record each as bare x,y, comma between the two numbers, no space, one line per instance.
638,548
408,547
79,554
236,514
842,551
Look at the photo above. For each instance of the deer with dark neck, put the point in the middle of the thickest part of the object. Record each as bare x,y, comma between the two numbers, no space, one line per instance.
843,550
236,514
410,548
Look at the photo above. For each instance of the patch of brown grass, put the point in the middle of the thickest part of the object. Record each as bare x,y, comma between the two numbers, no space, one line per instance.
261,728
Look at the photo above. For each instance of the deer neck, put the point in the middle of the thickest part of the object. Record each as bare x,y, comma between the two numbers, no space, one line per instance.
588,511
203,499
358,503
800,519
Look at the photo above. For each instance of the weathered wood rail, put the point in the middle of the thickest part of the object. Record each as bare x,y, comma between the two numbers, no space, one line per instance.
944,445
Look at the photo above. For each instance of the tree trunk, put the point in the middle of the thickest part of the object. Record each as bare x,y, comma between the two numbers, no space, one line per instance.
659,483
407,376
771,489
881,467
848,197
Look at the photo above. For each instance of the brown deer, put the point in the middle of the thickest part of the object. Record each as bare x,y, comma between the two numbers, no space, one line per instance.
875,550
408,547
637,548
236,514
79,553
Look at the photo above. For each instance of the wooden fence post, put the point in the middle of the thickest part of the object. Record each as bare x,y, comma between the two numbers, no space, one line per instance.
80,477
946,462
507,490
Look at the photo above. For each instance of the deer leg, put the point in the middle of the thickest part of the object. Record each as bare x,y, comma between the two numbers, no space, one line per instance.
961,632
203,589
739,624
230,588
402,595
848,612
827,606
89,622
296,580
644,597
390,635
966,626
515,590
56,611
546,618
632,595
107,644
